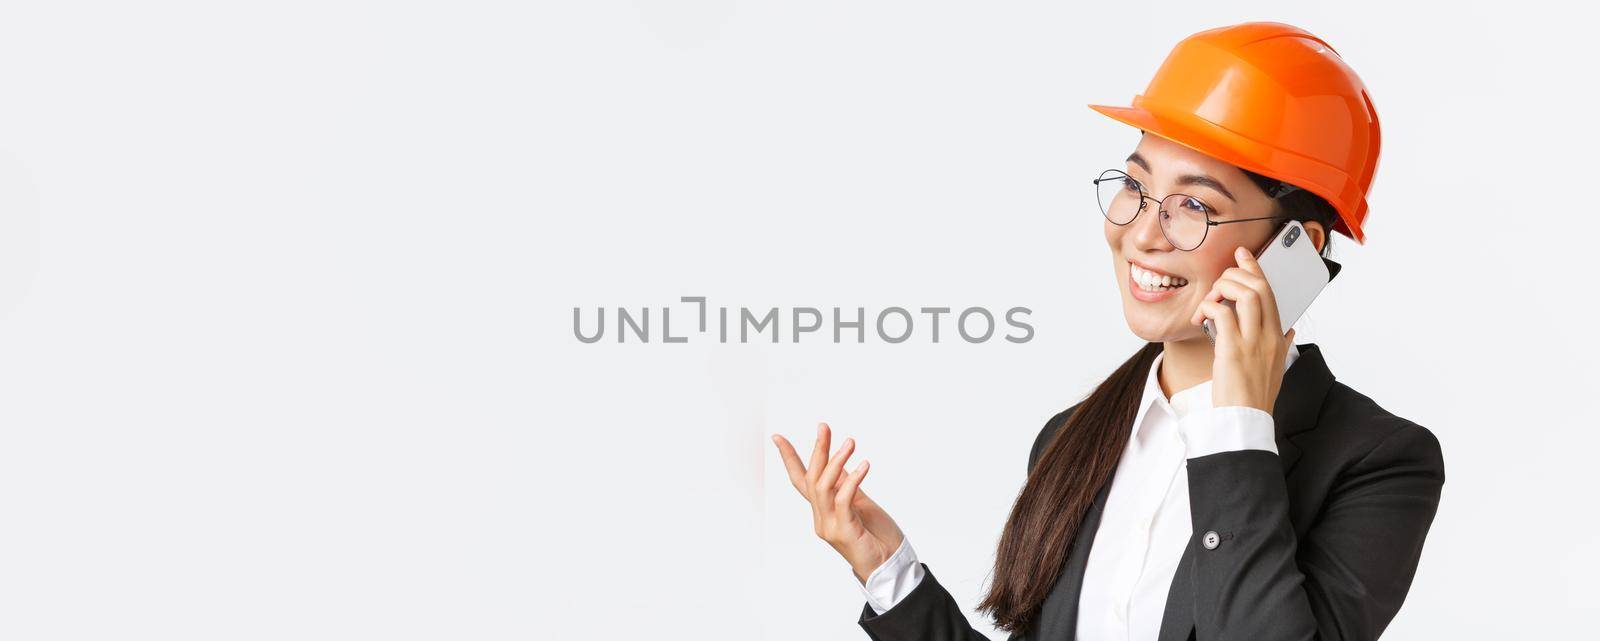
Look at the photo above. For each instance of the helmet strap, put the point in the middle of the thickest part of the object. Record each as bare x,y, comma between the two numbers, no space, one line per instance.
1281,189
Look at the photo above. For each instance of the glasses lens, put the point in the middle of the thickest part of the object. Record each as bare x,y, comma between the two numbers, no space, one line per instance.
1119,196
1183,220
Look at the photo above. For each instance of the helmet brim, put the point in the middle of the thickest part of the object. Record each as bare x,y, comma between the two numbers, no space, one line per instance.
1227,146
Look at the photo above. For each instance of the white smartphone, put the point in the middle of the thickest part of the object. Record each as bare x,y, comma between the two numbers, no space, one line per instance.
1296,272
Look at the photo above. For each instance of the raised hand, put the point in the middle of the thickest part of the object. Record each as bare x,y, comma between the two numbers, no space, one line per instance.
1251,347
842,514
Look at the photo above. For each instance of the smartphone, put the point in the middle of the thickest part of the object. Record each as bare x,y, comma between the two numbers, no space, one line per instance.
1296,272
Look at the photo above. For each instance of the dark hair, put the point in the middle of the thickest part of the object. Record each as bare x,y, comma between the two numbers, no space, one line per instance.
1299,204
1062,484
1080,456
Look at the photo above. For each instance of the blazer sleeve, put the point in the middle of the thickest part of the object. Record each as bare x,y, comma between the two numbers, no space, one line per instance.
1346,579
929,613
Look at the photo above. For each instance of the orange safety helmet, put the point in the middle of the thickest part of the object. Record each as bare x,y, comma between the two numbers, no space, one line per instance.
1273,99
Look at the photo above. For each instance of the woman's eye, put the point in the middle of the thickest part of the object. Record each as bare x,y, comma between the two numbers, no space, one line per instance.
1196,206
1129,185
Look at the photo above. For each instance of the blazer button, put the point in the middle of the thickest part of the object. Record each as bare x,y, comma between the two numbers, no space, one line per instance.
1210,540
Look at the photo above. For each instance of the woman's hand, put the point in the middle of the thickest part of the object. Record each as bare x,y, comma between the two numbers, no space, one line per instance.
1251,346
853,524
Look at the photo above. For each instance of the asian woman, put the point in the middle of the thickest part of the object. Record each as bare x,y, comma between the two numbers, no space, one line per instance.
1226,489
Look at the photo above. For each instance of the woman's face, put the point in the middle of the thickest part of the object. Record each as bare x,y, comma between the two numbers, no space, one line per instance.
1164,167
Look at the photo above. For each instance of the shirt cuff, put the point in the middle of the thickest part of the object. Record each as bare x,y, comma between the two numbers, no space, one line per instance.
894,579
1227,429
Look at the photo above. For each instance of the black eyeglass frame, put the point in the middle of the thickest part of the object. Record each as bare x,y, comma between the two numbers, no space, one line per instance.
1113,174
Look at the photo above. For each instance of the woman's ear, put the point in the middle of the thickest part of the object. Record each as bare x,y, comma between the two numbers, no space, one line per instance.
1316,233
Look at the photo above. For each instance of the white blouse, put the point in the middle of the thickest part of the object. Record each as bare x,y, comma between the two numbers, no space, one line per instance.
1146,523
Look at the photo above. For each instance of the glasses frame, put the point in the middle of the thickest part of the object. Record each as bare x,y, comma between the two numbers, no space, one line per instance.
1113,174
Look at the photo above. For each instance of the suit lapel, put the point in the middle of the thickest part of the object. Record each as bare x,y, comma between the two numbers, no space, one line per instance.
1295,411
1299,401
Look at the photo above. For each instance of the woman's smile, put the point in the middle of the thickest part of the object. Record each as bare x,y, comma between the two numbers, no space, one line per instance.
1152,285
1165,284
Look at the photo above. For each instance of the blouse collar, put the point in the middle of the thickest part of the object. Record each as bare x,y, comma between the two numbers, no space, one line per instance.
1190,399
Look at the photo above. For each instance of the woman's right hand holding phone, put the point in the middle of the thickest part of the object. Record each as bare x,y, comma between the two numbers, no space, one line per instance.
856,527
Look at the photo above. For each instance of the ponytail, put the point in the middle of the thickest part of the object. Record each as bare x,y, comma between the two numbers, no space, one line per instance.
1075,463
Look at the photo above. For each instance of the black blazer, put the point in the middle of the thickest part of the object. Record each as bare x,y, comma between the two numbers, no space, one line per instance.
1318,541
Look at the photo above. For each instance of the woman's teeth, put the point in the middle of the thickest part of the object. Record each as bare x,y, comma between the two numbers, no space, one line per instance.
1151,282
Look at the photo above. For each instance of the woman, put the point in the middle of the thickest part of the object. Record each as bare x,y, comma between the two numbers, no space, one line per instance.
1232,490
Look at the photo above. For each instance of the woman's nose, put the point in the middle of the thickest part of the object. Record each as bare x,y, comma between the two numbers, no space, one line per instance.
1146,229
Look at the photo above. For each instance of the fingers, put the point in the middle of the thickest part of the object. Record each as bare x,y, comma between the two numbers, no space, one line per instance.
847,491
1248,287
1254,277
1234,274
1247,306
791,463
825,488
1247,261
819,453
1223,319
820,481
841,513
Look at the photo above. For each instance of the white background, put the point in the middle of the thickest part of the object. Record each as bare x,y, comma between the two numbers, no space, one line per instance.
286,296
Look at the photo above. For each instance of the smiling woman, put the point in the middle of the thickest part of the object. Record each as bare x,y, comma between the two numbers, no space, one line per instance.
1205,210
1226,490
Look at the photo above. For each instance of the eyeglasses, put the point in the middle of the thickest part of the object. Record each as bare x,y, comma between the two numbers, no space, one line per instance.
1184,218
